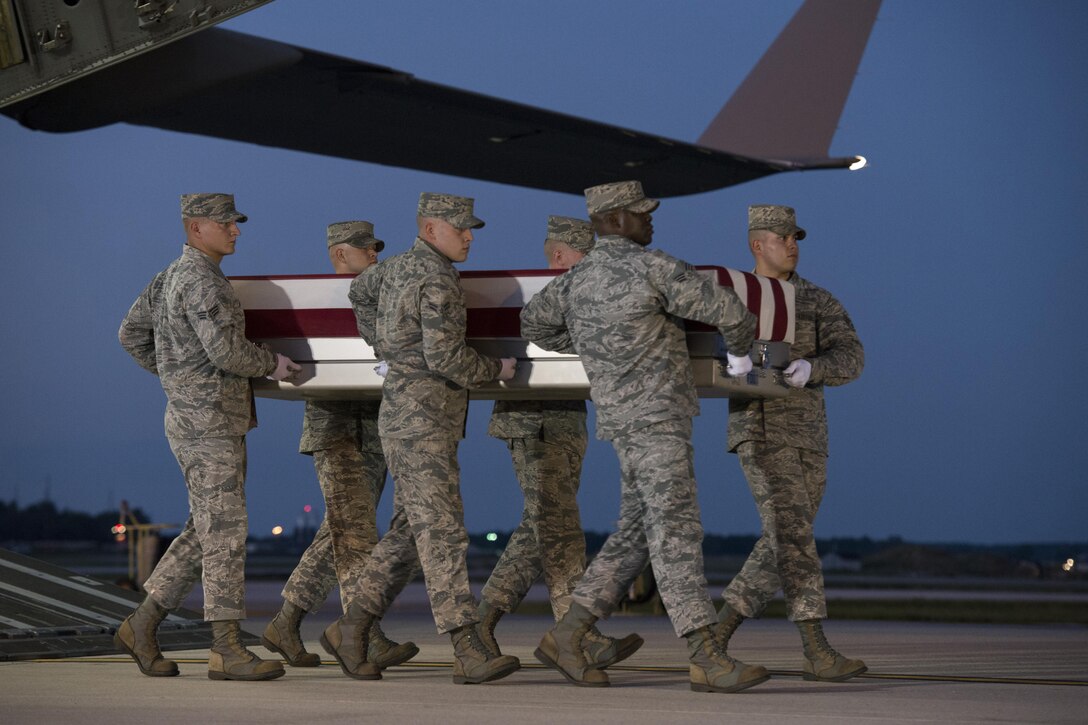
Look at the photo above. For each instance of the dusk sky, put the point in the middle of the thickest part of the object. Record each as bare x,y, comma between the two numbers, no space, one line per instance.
954,253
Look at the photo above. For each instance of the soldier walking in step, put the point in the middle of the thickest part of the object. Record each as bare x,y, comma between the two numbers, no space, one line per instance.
411,309
547,441
342,437
188,328
782,447
621,309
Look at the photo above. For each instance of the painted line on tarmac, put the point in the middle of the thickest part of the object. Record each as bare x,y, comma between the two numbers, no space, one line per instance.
667,669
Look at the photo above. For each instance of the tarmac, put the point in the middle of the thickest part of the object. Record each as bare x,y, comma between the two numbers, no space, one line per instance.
918,673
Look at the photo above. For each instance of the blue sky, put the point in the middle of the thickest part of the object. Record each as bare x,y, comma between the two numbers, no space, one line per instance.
955,254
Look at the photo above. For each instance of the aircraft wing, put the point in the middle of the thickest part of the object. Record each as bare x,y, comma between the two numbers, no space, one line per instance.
236,86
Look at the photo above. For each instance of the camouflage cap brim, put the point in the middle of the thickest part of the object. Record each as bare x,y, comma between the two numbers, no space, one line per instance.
467,221
785,230
364,242
643,206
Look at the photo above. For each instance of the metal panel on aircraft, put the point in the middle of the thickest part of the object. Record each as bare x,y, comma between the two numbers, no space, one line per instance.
47,612
67,39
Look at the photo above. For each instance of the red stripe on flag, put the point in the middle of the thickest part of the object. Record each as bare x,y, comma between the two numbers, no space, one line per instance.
313,322
340,322
781,322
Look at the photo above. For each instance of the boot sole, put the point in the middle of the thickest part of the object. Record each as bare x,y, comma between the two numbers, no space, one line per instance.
408,654
841,678
696,687
216,675
271,646
496,675
327,646
621,655
546,660
120,644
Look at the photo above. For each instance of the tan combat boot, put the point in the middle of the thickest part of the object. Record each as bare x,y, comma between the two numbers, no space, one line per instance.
384,652
230,660
136,636
729,619
489,617
822,662
603,651
712,670
282,636
562,648
473,663
348,640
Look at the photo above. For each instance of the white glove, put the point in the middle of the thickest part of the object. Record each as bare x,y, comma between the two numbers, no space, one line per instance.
509,367
382,368
738,365
286,368
798,372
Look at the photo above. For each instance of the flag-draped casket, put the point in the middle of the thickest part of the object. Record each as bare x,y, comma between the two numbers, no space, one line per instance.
309,319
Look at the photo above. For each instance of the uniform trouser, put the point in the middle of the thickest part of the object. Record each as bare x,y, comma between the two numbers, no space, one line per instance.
788,484
428,529
659,516
549,538
214,537
351,483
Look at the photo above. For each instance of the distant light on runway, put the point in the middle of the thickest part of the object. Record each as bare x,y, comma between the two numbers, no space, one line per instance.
861,163
492,536
1068,565
277,530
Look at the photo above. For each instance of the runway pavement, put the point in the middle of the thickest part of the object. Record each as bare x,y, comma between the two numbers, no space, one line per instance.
918,673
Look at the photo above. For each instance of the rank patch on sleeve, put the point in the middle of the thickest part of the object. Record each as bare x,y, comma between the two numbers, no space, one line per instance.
209,314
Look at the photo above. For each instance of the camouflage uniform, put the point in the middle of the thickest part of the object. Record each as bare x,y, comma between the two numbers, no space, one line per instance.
188,328
411,309
621,309
547,441
782,446
342,436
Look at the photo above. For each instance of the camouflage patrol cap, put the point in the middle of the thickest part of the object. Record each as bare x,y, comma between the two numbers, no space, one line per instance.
619,195
778,219
575,233
357,234
457,210
217,207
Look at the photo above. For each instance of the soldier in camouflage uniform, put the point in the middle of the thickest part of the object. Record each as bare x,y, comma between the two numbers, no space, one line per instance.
621,309
188,328
411,309
547,441
782,446
342,437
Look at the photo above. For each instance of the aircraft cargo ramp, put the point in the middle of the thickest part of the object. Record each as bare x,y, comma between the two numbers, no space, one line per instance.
50,612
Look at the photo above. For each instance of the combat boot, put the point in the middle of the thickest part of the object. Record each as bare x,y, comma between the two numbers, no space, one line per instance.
348,640
489,617
822,662
384,652
282,636
603,651
137,637
728,621
473,663
230,660
712,670
562,648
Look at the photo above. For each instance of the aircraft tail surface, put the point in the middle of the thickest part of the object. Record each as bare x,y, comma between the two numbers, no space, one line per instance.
788,107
